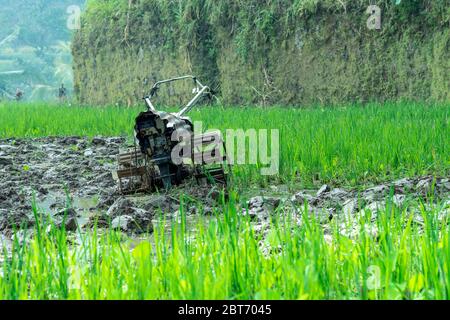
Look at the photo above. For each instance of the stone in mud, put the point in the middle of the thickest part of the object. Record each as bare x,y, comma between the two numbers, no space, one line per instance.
67,213
399,200
324,189
6,161
69,140
268,202
98,141
14,220
301,198
106,201
88,153
424,186
261,208
350,207
159,203
375,206
70,223
122,206
138,223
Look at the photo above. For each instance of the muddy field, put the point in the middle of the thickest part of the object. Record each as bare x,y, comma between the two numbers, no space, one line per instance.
54,174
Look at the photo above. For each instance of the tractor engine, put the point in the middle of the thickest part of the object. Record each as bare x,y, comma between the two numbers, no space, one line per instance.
154,131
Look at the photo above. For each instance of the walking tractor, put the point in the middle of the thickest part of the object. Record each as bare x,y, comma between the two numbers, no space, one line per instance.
166,150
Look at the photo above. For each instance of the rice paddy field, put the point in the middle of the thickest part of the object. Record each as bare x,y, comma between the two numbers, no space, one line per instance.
349,145
224,257
223,260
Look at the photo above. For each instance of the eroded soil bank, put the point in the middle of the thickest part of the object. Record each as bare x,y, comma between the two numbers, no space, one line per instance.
69,180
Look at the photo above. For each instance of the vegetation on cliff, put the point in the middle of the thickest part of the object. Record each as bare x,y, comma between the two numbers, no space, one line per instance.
269,52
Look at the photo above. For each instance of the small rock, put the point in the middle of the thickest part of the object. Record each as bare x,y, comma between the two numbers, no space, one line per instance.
98,141
301,198
324,189
128,223
123,223
399,200
122,206
67,213
70,223
69,140
158,203
88,153
376,206
424,185
6,161
350,207
338,194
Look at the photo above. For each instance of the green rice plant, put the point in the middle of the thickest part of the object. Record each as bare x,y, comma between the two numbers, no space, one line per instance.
224,258
350,145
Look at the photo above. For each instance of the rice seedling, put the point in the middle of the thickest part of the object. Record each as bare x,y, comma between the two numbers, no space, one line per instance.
224,258
350,145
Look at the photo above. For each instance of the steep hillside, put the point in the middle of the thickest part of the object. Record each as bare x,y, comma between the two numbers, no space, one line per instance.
292,52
